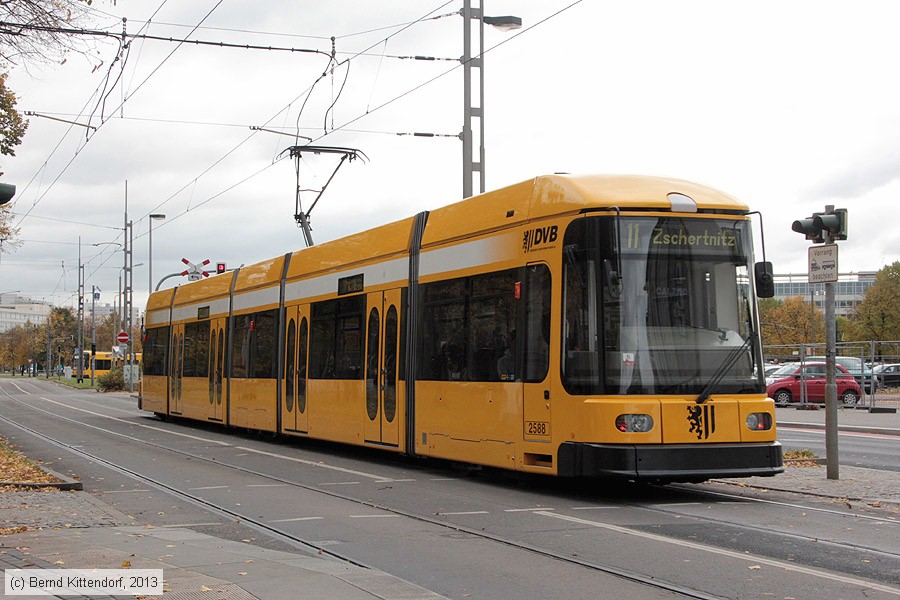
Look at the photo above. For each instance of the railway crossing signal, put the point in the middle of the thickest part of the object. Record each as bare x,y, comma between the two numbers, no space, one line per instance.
195,272
220,268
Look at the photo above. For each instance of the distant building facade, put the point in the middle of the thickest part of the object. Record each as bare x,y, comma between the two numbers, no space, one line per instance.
17,311
849,290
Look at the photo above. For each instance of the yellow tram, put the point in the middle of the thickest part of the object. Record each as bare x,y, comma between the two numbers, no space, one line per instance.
568,325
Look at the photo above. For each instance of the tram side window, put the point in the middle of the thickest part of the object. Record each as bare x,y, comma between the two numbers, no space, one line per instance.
264,351
253,345
537,322
336,340
196,349
581,361
156,346
469,328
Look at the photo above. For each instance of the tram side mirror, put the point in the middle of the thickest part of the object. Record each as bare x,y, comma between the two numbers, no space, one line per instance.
613,279
765,280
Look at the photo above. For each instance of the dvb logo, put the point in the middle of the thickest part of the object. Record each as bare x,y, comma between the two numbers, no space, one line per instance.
539,236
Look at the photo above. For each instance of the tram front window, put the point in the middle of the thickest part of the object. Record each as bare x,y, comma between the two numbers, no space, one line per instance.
664,313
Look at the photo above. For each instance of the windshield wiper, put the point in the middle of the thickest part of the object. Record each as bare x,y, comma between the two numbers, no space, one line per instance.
723,369
731,359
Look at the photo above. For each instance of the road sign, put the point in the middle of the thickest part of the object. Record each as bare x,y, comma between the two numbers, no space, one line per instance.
122,337
823,263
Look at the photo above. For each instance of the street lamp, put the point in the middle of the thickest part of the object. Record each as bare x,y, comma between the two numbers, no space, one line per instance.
153,217
505,23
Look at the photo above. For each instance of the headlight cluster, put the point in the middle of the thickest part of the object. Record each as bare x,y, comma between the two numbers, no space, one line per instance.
634,423
759,421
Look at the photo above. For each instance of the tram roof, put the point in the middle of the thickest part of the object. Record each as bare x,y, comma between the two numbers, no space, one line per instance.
542,197
550,195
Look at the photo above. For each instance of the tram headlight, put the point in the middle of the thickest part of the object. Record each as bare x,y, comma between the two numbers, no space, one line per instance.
759,421
634,423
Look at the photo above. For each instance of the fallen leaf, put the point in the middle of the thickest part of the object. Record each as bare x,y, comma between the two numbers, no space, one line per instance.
126,564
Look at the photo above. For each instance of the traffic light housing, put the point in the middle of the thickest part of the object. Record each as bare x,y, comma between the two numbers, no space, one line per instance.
835,222
7,191
220,268
809,228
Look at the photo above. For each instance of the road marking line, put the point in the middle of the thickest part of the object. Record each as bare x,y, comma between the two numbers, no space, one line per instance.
594,507
374,516
20,389
297,519
468,512
209,487
526,509
723,552
340,483
313,463
267,485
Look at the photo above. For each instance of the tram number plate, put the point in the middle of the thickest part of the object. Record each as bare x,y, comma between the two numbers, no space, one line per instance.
537,428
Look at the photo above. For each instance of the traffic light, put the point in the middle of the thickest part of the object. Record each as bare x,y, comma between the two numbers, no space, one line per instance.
7,191
220,268
809,228
835,222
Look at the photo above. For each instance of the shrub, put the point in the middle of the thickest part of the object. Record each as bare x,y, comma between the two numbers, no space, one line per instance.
112,382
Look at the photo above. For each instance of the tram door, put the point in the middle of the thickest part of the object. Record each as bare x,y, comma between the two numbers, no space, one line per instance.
176,372
216,411
295,411
382,355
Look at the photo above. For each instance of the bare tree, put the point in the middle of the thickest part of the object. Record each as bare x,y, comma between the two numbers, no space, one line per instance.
39,31
32,32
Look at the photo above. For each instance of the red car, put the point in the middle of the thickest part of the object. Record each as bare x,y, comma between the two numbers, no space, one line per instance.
783,385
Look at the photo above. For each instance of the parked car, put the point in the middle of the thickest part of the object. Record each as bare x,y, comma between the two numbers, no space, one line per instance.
855,366
888,375
783,386
771,368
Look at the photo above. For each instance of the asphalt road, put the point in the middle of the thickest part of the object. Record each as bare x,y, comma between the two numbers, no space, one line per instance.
868,450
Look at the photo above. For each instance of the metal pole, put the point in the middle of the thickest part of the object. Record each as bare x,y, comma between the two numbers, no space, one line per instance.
93,338
480,113
130,287
151,218
150,258
467,99
831,414
79,366
49,356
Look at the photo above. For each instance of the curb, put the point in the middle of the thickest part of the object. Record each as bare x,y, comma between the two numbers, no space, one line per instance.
850,428
65,483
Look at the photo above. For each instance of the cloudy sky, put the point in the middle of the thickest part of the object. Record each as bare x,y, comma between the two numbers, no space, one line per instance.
787,105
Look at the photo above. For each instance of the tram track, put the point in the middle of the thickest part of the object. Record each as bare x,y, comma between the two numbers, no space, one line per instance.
310,546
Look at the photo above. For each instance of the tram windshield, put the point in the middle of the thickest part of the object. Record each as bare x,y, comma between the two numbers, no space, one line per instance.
660,307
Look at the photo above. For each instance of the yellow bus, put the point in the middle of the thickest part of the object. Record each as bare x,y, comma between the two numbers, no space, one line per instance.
599,326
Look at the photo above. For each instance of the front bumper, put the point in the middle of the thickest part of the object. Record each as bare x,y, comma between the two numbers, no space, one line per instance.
672,462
